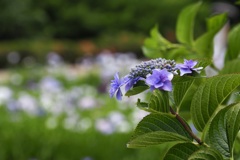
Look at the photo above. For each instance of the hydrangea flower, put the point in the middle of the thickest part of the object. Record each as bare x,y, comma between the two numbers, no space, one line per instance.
115,85
130,82
188,67
145,68
160,79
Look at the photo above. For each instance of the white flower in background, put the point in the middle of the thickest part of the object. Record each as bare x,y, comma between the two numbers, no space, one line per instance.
87,102
104,126
110,63
28,103
137,116
119,121
54,59
50,84
5,94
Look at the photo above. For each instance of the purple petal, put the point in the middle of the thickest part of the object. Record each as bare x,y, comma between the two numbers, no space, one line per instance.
116,76
119,95
167,86
152,88
131,82
160,79
159,85
197,69
151,79
111,92
167,74
190,63
184,71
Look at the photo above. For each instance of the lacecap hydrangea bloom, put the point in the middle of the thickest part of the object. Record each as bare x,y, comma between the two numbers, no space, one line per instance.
156,73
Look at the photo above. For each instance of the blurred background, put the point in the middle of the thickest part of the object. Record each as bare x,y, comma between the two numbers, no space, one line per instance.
56,61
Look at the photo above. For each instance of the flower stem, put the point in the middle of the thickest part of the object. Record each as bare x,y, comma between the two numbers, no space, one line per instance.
188,129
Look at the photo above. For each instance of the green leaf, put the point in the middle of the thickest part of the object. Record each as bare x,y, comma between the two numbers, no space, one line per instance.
203,63
158,102
206,154
185,23
156,45
233,49
223,129
139,87
209,97
216,22
231,67
181,151
158,128
184,88
204,44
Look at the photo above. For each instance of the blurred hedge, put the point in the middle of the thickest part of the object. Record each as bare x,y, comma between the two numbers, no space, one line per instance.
75,29
86,18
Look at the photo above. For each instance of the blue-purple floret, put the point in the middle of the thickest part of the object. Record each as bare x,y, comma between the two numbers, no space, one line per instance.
160,79
130,82
188,67
115,85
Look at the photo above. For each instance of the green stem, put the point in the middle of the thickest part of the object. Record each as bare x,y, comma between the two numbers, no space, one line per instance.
188,129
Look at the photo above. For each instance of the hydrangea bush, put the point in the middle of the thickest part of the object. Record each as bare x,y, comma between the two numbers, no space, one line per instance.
198,114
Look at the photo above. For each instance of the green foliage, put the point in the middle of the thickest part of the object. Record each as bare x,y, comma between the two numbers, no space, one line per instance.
206,154
158,128
183,90
233,46
209,97
181,151
156,44
214,110
226,122
185,24
158,102
202,47
231,67
204,43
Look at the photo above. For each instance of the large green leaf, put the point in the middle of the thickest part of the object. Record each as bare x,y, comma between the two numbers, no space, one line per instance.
158,128
156,45
184,88
223,129
231,67
181,151
158,102
209,97
204,44
185,23
233,49
206,154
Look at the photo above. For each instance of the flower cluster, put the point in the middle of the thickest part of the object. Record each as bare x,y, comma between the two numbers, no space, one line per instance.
156,73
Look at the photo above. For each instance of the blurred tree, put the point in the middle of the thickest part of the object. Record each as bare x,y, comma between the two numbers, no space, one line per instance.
86,18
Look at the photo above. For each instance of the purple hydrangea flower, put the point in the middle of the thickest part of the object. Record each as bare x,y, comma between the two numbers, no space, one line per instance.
160,79
130,82
116,83
188,67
